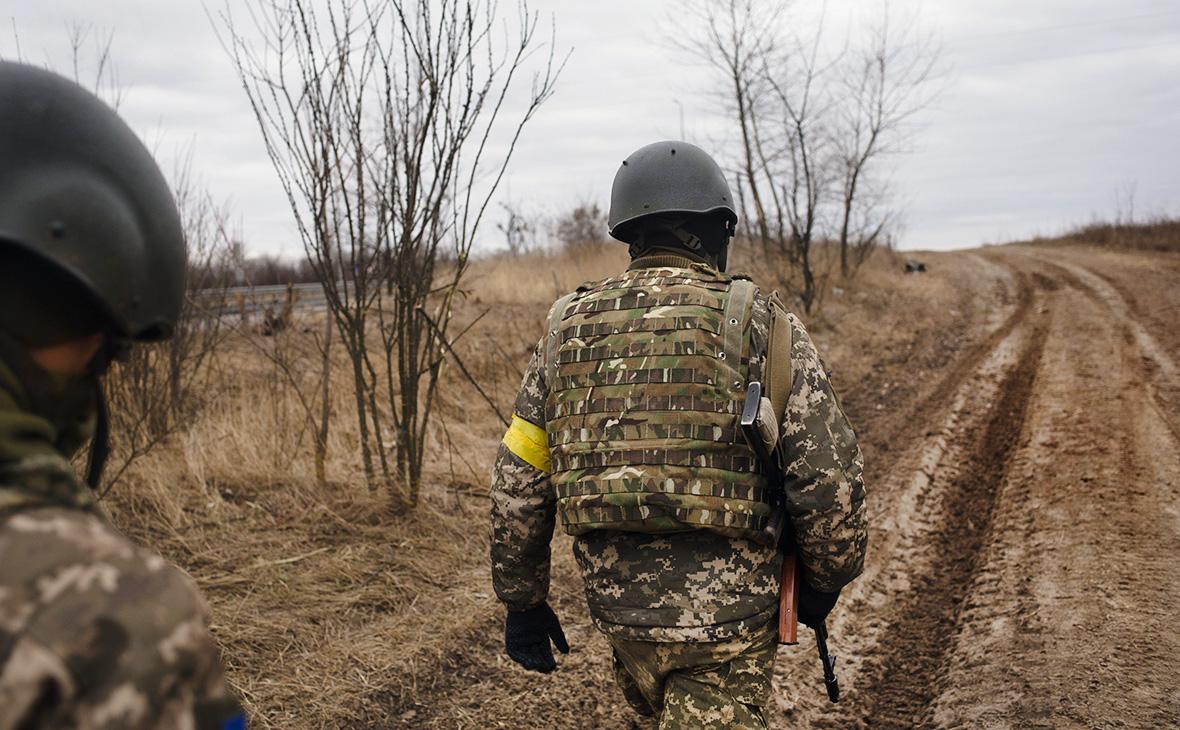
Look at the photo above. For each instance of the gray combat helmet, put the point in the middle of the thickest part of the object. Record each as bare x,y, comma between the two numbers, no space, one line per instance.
666,177
79,191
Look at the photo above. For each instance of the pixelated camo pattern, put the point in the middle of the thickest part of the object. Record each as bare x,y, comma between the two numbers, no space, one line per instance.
695,585
721,684
95,633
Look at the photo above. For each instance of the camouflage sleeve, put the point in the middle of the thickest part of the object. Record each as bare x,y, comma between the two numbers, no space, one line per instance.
97,633
825,494
523,503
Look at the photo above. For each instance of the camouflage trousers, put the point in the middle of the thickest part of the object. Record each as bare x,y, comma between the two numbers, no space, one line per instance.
721,684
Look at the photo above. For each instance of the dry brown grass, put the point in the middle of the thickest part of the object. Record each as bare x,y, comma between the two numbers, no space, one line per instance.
332,610
1159,234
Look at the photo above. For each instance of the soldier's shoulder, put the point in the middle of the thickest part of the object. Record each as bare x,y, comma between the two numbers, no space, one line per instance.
42,480
569,297
100,619
67,566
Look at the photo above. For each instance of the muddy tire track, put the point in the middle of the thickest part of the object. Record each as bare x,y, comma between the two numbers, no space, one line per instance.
1157,366
909,677
958,495
1069,619
912,506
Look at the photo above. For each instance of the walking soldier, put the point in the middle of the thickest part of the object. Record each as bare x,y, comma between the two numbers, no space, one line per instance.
626,428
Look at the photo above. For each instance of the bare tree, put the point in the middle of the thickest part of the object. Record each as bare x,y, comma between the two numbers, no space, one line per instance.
885,84
813,121
387,122
794,146
736,37
775,91
308,84
446,80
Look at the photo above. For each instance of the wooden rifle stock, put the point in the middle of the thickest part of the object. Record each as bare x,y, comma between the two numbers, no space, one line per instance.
788,597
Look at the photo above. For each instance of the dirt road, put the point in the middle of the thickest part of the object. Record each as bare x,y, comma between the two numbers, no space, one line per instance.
1026,550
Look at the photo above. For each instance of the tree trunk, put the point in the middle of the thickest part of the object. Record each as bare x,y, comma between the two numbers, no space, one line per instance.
321,442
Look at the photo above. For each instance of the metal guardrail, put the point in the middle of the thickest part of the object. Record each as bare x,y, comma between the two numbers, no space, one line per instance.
249,300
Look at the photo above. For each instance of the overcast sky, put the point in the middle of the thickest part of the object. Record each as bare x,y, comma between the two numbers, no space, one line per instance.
1047,108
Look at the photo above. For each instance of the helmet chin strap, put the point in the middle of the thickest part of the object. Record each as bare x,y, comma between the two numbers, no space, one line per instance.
687,235
100,445
114,348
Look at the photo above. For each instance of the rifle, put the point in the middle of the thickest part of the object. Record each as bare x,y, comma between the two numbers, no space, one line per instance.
760,426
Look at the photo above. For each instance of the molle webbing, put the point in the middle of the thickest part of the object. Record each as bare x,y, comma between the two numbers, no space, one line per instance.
646,374
662,431
551,341
655,485
655,457
630,405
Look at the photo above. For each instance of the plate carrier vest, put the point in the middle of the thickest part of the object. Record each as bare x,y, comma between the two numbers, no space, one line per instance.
647,373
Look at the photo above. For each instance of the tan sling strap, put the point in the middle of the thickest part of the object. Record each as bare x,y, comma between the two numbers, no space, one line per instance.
779,376
741,298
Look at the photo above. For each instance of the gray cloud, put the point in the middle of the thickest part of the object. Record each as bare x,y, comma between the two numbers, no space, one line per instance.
1047,108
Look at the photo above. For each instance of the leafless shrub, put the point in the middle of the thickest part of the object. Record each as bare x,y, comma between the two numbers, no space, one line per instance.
380,118
161,387
583,226
519,230
1158,232
95,69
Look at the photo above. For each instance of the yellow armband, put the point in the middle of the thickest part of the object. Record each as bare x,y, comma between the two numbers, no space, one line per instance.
528,442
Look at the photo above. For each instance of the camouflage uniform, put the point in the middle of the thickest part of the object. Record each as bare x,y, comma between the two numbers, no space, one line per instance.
689,612
95,632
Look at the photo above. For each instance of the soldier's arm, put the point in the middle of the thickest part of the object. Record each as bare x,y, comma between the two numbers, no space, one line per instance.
824,488
98,633
523,503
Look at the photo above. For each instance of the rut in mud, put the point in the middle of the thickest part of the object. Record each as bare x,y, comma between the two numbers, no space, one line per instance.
1024,550
902,682
933,500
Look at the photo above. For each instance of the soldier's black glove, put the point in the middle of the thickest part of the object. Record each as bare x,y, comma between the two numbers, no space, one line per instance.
814,606
527,634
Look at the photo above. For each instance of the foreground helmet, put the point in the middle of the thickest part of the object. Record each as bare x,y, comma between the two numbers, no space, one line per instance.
666,177
80,193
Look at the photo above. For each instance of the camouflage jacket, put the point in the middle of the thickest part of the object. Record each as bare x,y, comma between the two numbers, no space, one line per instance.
697,585
95,632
